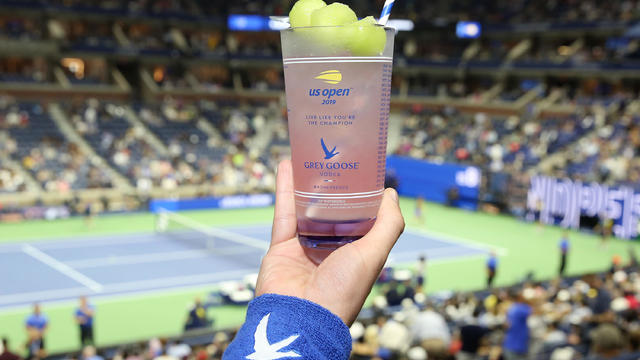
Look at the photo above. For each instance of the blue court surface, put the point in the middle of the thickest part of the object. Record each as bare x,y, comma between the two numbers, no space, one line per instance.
147,262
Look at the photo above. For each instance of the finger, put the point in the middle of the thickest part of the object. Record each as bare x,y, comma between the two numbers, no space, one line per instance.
389,225
284,218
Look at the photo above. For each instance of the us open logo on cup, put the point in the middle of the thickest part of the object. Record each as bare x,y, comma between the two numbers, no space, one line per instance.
332,77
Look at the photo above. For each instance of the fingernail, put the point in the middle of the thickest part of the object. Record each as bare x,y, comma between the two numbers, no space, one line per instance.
394,195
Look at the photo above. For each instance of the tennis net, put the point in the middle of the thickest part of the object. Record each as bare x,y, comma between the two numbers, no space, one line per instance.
229,245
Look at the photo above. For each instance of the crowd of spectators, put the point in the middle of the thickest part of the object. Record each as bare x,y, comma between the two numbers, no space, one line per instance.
593,317
133,8
517,12
590,92
224,153
18,28
10,179
491,142
24,70
83,35
470,90
33,140
227,155
610,155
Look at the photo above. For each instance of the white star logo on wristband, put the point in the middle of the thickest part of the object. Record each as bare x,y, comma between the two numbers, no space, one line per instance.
262,350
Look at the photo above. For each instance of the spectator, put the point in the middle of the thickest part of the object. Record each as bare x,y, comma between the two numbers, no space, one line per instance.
5,352
394,335
197,317
418,211
564,251
36,325
430,329
179,350
471,338
492,267
607,342
89,353
420,273
400,291
554,335
84,318
516,341
600,301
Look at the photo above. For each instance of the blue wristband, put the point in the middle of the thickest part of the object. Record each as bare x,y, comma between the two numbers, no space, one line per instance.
285,327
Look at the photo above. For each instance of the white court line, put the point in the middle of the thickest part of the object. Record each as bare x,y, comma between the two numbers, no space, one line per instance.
72,244
155,257
125,286
429,253
177,280
61,267
458,258
458,241
43,295
443,260
136,259
93,243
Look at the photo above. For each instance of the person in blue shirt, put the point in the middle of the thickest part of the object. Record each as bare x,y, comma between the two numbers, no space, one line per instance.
492,267
516,338
84,318
564,251
303,308
36,325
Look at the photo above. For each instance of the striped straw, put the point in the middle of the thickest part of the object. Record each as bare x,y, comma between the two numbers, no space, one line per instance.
386,12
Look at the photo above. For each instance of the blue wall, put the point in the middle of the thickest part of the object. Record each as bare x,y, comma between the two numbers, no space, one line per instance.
432,181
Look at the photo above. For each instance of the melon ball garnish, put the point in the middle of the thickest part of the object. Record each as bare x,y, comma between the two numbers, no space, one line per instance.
366,38
300,14
333,15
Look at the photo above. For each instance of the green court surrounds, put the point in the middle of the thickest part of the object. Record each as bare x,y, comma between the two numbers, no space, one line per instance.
128,318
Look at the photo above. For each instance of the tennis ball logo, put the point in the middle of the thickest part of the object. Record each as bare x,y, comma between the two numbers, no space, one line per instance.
332,77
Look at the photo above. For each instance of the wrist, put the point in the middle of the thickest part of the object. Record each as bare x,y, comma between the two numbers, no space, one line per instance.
303,327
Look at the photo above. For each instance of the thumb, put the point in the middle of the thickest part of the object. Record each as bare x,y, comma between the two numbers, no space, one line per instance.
389,225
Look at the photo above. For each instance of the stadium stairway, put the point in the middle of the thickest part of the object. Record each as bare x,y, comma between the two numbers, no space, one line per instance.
61,120
529,97
154,141
207,128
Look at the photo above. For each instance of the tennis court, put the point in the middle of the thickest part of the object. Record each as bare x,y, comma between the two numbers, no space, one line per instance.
145,262
168,270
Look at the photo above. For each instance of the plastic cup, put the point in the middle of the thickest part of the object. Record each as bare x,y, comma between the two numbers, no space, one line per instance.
338,113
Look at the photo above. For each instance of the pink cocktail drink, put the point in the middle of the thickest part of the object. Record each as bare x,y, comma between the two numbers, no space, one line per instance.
338,107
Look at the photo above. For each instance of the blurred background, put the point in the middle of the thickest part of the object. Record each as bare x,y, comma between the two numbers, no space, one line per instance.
139,141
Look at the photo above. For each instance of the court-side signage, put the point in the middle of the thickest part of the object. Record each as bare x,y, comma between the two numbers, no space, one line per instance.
563,201
225,202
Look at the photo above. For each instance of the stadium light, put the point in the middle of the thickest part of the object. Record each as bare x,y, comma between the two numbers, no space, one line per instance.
278,25
468,30
239,22
401,24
